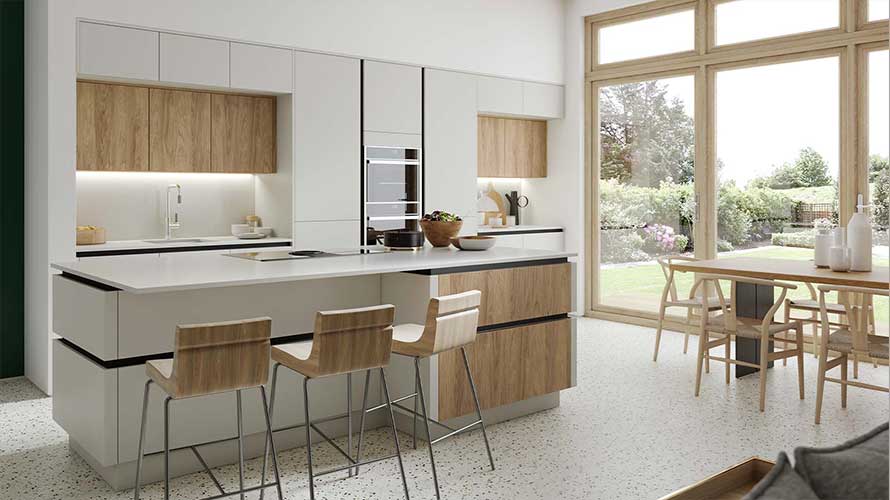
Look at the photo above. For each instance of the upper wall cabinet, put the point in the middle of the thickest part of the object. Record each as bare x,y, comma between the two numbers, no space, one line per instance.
499,96
509,147
255,67
392,98
117,52
112,127
542,100
194,60
243,132
502,96
450,144
327,139
179,132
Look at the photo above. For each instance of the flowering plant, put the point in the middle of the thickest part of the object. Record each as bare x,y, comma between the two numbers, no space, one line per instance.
822,224
660,237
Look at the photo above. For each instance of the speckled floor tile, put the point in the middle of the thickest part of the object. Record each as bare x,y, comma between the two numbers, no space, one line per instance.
630,430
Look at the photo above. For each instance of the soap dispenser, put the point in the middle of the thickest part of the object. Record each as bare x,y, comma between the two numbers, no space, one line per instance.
859,238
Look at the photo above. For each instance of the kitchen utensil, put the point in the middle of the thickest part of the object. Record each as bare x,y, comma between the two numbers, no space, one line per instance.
475,242
516,202
240,228
439,233
90,235
403,239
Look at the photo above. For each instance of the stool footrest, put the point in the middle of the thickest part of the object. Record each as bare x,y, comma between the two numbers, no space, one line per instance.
353,465
246,490
456,431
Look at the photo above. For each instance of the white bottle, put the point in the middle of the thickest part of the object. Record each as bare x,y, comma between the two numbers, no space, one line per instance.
859,238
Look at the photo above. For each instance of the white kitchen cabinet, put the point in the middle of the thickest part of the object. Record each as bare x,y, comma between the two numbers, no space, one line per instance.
450,145
510,240
327,235
542,100
499,96
327,138
255,67
544,241
392,98
194,60
116,52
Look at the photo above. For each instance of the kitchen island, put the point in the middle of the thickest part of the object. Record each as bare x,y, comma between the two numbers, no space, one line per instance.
115,313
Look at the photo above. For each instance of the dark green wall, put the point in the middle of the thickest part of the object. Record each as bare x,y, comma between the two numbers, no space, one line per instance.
12,187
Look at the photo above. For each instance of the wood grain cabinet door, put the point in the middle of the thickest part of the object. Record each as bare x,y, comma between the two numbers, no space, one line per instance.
526,148
243,134
112,127
490,150
508,365
515,294
180,131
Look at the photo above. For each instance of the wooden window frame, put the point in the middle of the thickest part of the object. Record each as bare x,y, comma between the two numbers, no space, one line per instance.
851,42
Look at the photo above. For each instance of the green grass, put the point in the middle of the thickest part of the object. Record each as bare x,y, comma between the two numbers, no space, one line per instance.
639,286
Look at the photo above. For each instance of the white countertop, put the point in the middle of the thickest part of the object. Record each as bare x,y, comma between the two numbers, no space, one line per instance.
188,271
206,241
519,228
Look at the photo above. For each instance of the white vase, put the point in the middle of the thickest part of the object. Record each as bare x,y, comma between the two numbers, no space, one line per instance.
823,247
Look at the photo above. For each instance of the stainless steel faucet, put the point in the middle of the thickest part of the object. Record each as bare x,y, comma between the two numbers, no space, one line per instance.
172,224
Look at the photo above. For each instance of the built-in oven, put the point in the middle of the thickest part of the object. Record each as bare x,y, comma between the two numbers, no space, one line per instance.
392,190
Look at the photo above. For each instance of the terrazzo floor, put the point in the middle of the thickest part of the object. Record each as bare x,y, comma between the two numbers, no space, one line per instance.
630,430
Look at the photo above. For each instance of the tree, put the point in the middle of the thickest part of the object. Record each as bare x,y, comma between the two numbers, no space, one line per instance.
881,199
808,170
645,138
876,165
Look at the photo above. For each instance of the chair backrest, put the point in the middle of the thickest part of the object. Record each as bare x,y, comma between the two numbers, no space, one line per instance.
665,263
352,339
451,321
857,302
732,308
219,357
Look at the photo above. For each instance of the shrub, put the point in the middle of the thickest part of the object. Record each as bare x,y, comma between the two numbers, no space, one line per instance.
881,197
681,242
621,245
733,223
724,246
801,239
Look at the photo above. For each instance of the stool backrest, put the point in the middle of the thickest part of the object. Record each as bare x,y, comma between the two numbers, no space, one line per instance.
219,357
352,339
451,321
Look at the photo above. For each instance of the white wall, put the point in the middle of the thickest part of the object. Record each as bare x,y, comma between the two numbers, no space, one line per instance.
131,205
565,184
512,38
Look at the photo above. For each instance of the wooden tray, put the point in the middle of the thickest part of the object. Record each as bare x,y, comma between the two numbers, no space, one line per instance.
91,236
730,484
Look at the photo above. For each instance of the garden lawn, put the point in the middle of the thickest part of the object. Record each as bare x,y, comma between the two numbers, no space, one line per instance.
639,286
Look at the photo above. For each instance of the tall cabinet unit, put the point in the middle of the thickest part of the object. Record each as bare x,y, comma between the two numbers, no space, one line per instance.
450,144
327,150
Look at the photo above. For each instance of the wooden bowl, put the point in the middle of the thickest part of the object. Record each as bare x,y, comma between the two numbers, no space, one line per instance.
439,233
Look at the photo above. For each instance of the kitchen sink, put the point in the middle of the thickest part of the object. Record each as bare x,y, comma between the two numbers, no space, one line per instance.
174,240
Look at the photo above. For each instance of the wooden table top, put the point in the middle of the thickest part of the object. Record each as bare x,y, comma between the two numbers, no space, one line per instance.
787,270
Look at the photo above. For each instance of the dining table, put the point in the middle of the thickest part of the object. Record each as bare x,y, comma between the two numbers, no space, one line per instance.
753,301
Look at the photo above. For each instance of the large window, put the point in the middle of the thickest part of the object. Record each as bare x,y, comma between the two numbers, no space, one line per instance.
726,128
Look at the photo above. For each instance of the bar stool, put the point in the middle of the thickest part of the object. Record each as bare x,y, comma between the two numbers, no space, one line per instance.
211,358
344,342
451,323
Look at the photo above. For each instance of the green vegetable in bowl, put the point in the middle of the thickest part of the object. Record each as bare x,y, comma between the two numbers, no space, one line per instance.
441,216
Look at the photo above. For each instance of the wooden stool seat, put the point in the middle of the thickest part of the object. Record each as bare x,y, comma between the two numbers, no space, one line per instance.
406,340
813,305
842,341
744,329
161,372
296,356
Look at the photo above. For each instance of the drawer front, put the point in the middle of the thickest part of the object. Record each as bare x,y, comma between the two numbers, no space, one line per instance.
86,316
508,365
517,293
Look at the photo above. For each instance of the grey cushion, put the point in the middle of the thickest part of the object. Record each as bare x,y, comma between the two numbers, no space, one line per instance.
857,469
781,483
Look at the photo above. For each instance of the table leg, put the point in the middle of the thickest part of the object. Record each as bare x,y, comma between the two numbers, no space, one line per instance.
752,301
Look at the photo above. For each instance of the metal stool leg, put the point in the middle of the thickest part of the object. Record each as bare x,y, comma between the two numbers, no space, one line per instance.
414,415
426,420
349,418
478,409
266,445
361,425
167,448
240,445
308,437
141,439
267,410
395,433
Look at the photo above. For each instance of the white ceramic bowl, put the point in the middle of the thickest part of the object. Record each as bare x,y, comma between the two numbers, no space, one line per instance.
264,230
477,242
240,228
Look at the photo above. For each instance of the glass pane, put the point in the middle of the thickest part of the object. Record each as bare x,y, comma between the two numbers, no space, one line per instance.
879,171
878,9
646,199
649,37
746,20
777,140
